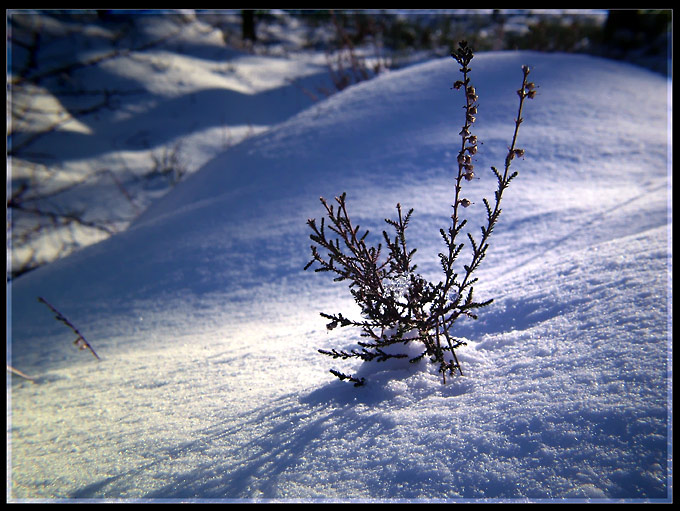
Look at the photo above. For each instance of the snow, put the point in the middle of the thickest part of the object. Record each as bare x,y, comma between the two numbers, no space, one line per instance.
210,385
190,97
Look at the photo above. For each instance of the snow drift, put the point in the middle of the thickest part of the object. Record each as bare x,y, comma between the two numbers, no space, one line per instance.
210,386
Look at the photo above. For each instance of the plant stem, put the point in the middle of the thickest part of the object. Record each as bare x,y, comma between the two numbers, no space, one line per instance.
80,340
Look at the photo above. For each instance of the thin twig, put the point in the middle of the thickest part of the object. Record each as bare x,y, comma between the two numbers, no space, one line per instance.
19,373
80,341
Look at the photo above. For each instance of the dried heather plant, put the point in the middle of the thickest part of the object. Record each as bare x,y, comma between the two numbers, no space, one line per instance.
398,305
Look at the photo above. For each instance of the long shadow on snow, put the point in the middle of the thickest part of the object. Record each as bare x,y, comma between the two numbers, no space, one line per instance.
294,431
311,442
173,118
250,458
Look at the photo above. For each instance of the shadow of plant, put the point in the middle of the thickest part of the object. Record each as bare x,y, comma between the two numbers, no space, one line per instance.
302,446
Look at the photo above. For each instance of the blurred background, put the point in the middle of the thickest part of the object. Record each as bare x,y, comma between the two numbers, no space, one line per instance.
73,74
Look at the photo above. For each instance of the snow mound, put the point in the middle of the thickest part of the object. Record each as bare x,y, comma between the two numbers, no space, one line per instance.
210,385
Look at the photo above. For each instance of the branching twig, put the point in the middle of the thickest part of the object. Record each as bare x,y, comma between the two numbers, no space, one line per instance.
358,382
397,304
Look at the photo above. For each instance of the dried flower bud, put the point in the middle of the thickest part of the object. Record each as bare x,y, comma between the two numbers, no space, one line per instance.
473,139
472,110
458,84
519,152
469,176
471,93
471,149
464,202
463,158
531,94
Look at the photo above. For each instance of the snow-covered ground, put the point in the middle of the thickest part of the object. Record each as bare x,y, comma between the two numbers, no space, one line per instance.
210,384
172,95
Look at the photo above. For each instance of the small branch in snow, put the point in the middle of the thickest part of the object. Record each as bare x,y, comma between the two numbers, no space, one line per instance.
80,341
19,373
358,382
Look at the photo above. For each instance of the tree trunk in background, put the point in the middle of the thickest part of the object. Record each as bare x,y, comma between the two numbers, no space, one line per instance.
248,24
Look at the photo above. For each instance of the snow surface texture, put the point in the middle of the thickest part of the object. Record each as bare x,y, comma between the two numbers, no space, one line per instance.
210,386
